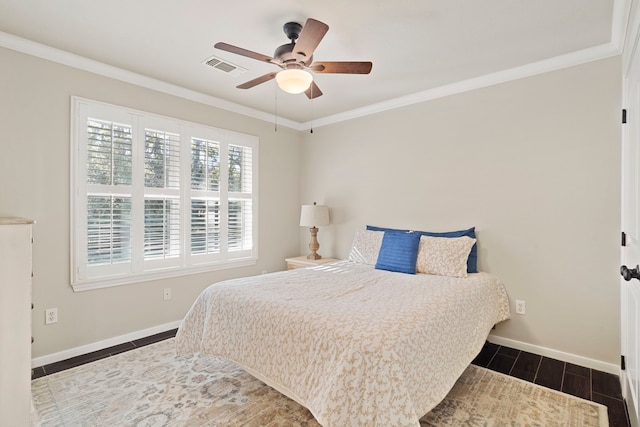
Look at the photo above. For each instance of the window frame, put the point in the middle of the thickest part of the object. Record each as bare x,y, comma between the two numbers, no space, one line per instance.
138,269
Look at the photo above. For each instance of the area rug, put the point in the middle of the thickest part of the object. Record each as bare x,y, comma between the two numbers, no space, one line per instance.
152,387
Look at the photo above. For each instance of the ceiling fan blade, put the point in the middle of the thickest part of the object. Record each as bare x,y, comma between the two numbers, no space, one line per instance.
257,81
342,67
243,52
313,91
309,39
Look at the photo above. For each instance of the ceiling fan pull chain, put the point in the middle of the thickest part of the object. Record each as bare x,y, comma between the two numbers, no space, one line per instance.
311,130
276,107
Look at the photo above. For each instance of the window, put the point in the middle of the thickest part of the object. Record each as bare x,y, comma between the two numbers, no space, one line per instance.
156,197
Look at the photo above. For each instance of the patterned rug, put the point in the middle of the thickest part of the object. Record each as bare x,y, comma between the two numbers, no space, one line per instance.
151,387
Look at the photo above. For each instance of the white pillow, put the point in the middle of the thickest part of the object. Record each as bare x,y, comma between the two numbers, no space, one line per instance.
444,256
366,246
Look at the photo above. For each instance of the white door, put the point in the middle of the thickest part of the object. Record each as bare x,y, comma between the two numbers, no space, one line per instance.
630,253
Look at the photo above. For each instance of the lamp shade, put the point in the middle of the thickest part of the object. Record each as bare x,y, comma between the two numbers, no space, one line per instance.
314,215
294,80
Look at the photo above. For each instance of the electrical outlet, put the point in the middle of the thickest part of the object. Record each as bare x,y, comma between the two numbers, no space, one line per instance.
50,316
167,294
520,307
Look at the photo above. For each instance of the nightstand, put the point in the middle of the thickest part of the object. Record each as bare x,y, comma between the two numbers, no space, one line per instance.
302,261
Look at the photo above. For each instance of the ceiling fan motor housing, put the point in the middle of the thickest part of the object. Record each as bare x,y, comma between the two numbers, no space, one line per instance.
292,30
284,53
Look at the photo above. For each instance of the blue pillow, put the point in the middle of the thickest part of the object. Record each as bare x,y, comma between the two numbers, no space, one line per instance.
472,261
399,252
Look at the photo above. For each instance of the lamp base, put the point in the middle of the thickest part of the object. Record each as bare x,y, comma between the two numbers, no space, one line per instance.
314,245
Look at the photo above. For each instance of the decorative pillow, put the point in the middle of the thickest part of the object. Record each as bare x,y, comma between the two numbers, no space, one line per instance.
366,246
472,261
399,252
444,256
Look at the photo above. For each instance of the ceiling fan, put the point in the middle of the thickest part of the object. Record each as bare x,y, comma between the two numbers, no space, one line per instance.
296,60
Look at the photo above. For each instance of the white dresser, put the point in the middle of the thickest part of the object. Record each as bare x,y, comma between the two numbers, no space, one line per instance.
15,321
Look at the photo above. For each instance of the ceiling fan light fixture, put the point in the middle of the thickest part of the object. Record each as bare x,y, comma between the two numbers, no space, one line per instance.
294,80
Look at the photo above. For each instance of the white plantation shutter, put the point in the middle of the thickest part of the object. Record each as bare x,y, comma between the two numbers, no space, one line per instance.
157,197
108,153
205,197
108,230
240,203
108,218
222,194
162,195
161,159
205,164
205,226
161,228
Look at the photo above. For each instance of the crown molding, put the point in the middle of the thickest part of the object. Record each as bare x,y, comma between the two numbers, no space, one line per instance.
620,22
552,64
621,12
49,53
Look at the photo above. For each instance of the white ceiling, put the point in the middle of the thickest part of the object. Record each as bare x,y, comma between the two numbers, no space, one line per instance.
418,47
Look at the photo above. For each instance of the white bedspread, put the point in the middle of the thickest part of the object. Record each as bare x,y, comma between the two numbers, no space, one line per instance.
355,345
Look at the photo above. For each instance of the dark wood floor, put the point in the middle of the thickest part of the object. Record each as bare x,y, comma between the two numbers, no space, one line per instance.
579,381
100,354
590,384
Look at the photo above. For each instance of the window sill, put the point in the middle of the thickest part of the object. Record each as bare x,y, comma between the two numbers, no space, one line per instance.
128,279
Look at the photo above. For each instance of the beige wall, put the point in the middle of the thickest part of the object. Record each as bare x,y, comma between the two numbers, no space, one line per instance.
534,164
34,183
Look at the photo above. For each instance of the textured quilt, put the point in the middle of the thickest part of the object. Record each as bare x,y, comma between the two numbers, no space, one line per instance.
355,345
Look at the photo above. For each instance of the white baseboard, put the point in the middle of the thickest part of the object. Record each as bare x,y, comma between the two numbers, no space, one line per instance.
99,345
598,365
628,397
518,345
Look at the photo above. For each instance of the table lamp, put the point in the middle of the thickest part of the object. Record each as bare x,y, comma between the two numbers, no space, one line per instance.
313,216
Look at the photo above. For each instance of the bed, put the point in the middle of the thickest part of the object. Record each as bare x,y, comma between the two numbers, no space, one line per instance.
355,344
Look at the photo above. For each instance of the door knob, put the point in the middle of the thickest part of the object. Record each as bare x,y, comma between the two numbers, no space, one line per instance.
629,274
